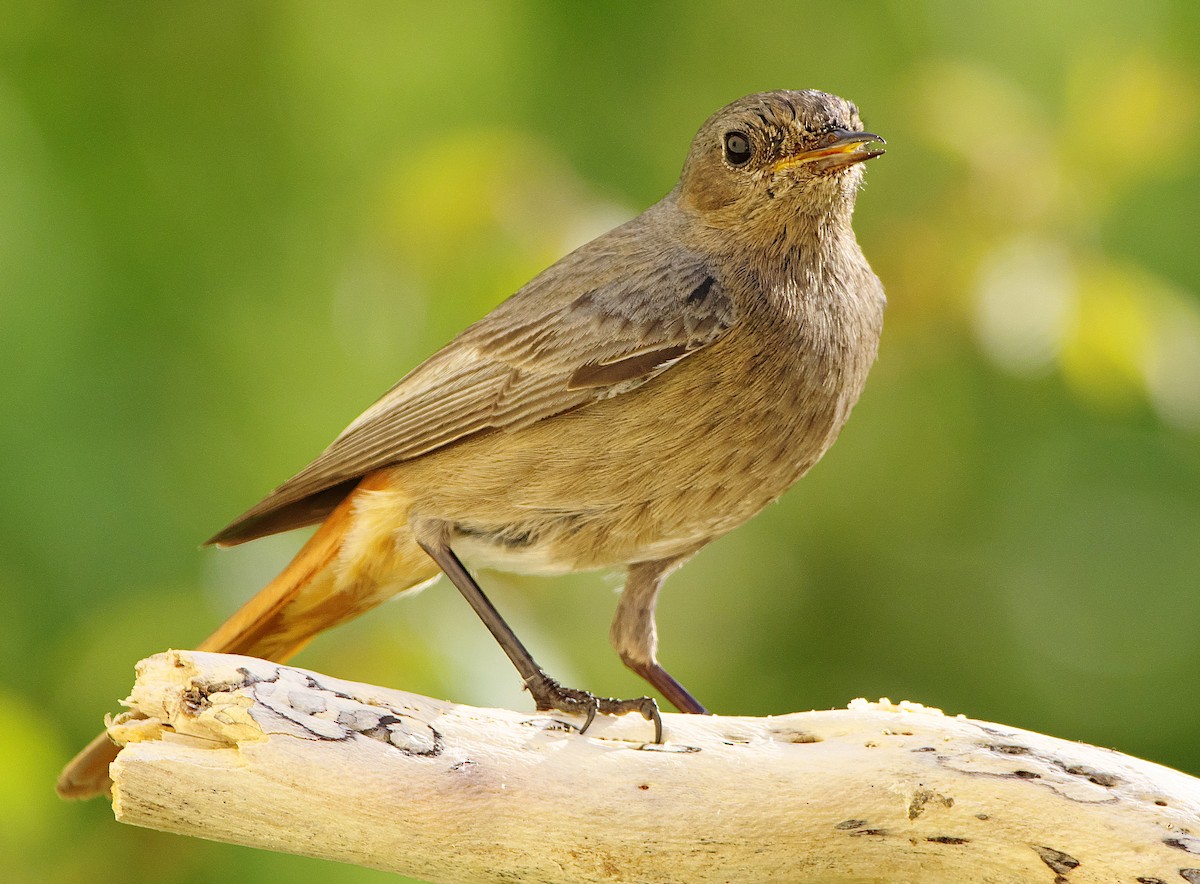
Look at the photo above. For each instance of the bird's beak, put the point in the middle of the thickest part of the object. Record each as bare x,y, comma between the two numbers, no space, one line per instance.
837,148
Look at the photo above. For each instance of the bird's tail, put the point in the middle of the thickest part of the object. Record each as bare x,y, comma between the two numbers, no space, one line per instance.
353,562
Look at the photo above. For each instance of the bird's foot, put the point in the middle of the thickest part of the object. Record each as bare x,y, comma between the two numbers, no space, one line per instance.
549,694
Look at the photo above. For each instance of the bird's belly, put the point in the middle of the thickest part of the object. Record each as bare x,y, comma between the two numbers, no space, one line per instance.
554,556
594,497
484,552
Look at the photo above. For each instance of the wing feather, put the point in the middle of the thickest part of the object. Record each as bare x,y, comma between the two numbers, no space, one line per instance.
548,349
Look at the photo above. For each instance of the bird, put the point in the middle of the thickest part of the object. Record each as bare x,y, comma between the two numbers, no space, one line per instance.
644,395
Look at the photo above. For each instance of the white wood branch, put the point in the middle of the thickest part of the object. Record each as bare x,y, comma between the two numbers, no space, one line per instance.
237,749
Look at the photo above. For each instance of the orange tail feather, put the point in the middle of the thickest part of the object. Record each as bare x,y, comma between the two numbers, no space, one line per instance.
257,629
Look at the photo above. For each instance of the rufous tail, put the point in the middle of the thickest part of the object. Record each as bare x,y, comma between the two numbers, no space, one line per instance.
353,562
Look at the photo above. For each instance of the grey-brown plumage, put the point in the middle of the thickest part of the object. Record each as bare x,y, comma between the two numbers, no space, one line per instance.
650,391
772,249
644,395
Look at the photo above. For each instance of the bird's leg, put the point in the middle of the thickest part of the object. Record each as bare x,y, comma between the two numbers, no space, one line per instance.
635,636
547,693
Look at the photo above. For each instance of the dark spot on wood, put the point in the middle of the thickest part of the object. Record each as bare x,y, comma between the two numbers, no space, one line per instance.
1187,845
1160,802
948,839
644,786
923,749
982,816
700,292
1026,775
671,748
248,677
1009,749
465,764
869,832
791,735
400,734
1060,863
916,806
1093,776
194,700
386,720
1142,879
850,824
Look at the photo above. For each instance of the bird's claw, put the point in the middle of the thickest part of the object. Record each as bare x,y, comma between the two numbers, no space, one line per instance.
549,694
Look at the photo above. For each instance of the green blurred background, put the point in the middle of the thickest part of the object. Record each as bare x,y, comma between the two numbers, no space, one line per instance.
225,228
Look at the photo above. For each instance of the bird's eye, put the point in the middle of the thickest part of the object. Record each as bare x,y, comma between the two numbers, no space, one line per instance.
737,148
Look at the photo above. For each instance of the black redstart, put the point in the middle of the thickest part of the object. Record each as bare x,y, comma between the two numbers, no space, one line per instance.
644,395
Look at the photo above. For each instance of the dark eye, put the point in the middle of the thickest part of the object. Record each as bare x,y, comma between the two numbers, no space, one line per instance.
737,148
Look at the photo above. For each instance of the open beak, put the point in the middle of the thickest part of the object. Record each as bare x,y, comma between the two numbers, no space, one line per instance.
837,148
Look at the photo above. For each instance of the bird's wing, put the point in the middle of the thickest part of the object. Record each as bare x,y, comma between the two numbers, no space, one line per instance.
538,354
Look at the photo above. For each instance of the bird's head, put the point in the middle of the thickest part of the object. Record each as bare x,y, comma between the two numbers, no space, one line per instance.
770,157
